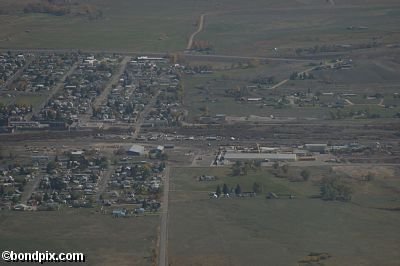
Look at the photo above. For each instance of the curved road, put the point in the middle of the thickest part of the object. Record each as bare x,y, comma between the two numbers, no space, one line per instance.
199,29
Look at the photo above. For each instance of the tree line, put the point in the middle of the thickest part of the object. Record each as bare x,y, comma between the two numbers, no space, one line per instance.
225,190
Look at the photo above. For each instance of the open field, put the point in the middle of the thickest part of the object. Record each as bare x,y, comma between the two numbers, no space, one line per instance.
103,239
232,27
126,25
257,231
260,29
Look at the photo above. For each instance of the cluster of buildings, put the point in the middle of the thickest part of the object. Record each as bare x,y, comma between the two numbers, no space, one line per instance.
143,79
72,83
43,72
305,152
13,179
167,110
70,179
131,95
135,183
13,112
80,89
9,65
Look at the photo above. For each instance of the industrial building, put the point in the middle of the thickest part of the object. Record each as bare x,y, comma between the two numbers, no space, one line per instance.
241,156
136,150
321,148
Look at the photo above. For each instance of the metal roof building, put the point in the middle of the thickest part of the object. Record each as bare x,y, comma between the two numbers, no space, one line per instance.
316,147
136,150
232,156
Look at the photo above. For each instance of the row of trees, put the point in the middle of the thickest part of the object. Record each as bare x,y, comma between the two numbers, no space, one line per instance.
257,188
240,168
265,80
302,76
282,171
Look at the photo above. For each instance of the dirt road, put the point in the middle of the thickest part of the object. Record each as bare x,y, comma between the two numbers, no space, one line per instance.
199,29
300,73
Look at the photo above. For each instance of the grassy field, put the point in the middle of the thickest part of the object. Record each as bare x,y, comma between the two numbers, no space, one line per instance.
232,27
278,232
103,239
126,25
258,29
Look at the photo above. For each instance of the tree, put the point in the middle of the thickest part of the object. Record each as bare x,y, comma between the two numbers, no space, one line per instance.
285,168
218,191
332,188
75,195
294,76
305,174
237,168
161,167
238,189
256,187
146,171
51,166
225,189
164,156
46,197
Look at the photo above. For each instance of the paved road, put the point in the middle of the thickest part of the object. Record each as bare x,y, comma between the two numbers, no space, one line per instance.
105,177
143,115
30,188
163,253
114,80
199,29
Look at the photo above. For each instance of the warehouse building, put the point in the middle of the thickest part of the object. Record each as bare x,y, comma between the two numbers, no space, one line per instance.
321,148
136,150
